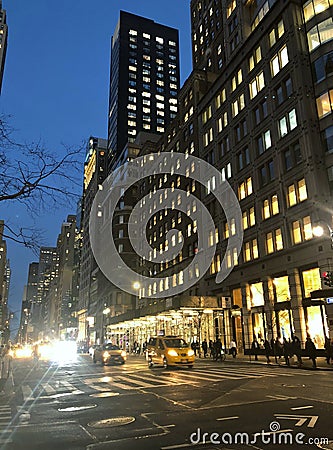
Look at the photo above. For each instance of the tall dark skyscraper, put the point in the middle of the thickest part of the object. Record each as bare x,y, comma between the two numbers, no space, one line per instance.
144,80
3,41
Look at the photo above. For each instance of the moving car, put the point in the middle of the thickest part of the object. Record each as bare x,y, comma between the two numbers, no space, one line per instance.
169,351
109,353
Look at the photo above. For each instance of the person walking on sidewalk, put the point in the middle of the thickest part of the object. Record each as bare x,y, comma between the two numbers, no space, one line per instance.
297,349
233,348
255,348
311,350
204,348
268,350
328,350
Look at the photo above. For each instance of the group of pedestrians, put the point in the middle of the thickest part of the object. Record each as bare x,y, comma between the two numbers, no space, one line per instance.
281,347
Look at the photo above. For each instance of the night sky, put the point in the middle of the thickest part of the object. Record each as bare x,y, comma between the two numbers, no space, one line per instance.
56,86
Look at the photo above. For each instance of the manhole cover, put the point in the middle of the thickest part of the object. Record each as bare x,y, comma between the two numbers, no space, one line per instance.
328,446
104,394
77,408
112,422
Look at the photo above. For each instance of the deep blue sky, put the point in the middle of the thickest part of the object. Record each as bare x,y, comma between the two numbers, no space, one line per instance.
56,83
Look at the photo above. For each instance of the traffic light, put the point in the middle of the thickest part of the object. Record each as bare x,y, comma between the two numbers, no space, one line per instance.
328,278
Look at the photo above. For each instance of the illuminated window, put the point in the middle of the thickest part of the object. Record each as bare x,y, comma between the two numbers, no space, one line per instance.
279,60
238,105
276,33
257,294
257,84
302,230
281,288
250,250
245,188
254,58
287,123
274,241
230,8
314,7
311,281
297,192
220,98
325,104
321,33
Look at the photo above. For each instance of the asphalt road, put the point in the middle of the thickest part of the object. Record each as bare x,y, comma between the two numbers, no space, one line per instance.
230,405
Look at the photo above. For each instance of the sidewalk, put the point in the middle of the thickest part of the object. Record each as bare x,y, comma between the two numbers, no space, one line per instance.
240,358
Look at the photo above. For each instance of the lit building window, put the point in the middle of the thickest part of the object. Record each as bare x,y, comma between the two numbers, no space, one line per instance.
254,58
325,104
321,33
274,241
302,230
314,7
279,60
297,192
257,84
287,123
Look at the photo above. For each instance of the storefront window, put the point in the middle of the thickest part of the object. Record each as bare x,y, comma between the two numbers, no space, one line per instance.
285,324
258,326
282,291
315,326
257,294
311,281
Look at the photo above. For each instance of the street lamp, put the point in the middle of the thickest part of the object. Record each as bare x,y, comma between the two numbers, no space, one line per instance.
318,231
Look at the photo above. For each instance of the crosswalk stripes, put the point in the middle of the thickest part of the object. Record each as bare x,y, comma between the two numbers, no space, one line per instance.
142,380
5,419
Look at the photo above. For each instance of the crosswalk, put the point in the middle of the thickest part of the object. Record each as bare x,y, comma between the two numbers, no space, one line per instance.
136,380
5,419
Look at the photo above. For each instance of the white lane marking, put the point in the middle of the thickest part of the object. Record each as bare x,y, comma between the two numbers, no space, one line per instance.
228,418
302,407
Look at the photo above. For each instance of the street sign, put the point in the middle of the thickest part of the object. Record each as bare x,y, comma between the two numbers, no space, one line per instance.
329,300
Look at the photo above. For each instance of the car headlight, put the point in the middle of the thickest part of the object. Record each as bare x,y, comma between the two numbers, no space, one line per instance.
106,355
190,353
172,353
123,354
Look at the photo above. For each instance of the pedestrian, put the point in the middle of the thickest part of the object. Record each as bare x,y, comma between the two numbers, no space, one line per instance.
279,349
194,348
255,348
36,356
287,351
267,347
210,348
233,348
311,351
204,348
297,349
328,350
218,349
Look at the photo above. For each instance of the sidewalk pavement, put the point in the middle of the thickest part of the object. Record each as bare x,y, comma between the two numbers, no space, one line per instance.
249,359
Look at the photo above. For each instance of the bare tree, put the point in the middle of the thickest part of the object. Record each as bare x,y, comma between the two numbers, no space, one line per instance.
37,178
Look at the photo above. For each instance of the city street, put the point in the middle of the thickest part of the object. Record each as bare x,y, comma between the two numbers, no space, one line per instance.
79,405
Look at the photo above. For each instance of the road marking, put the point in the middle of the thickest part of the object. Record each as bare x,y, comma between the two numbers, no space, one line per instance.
27,392
302,407
47,388
280,397
301,420
228,418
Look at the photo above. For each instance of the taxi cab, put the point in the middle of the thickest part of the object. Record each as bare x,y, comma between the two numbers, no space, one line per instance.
169,351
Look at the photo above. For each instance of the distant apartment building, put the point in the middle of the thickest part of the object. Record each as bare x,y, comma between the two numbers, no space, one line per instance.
95,172
144,80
